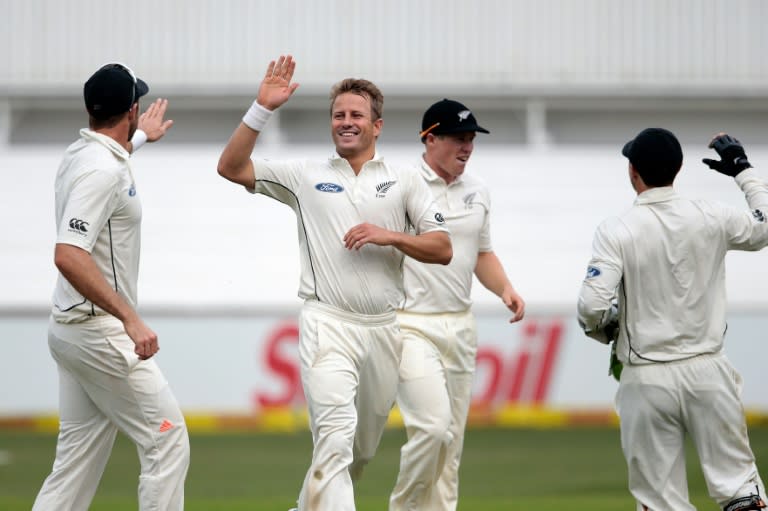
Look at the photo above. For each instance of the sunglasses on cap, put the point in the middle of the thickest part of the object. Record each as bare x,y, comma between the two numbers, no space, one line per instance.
123,67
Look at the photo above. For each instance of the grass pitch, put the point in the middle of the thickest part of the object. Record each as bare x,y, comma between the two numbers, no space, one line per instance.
503,469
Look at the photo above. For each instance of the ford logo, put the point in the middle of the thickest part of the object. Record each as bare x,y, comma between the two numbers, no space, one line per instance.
593,272
329,187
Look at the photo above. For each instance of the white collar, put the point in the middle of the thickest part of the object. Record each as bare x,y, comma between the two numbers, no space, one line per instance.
108,142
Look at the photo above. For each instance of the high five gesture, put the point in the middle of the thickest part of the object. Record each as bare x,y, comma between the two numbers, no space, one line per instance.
276,87
235,163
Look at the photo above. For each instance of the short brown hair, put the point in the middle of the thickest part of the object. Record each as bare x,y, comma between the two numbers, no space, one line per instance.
110,122
362,88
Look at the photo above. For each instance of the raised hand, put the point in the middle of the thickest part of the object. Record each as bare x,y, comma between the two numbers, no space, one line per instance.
734,159
153,122
276,87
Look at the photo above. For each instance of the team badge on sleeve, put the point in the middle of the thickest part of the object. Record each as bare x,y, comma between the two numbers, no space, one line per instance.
592,272
759,215
439,218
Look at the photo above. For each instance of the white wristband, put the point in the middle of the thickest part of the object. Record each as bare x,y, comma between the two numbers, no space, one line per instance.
138,139
256,117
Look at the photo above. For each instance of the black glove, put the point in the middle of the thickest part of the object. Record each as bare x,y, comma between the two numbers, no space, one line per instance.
734,160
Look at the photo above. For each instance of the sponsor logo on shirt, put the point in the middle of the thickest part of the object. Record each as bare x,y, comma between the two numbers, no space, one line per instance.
383,188
439,218
593,271
759,215
132,190
78,226
329,187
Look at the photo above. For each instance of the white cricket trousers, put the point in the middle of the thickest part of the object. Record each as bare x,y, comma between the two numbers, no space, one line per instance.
103,388
658,404
349,370
434,394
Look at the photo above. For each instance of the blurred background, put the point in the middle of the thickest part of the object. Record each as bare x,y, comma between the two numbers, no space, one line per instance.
560,84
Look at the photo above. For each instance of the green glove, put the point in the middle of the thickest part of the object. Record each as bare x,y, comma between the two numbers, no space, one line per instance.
615,366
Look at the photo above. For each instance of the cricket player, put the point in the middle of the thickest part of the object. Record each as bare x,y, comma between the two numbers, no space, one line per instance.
439,334
108,380
664,259
353,214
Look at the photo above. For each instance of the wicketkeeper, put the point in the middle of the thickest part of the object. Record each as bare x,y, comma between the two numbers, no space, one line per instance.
665,257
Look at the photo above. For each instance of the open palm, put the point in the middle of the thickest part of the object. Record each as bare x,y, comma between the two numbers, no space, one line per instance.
276,87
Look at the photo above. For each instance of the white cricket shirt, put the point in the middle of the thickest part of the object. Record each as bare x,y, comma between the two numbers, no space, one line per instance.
329,199
98,210
666,255
466,205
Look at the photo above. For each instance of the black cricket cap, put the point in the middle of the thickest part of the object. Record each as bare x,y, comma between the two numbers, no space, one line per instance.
112,90
656,155
448,116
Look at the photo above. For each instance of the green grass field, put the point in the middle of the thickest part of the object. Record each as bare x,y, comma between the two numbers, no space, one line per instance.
579,469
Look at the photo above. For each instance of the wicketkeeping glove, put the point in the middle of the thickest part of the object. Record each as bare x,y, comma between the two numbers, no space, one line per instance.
615,366
612,333
734,160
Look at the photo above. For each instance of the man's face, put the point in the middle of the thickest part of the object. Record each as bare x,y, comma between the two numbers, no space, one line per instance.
448,154
352,126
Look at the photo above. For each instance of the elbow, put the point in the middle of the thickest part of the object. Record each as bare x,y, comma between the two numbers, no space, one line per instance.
64,258
224,169
447,255
587,315
228,168
446,252
60,261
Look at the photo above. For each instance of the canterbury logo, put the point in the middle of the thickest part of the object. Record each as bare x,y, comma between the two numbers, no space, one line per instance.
165,426
383,188
759,215
468,200
78,225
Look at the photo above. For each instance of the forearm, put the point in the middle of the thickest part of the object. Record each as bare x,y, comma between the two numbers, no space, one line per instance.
491,274
595,311
78,267
431,247
235,161
754,188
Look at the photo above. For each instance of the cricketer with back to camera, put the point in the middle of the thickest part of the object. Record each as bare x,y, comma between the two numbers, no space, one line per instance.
664,259
108,380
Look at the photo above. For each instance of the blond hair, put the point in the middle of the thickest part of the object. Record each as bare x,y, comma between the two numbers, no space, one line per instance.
363,88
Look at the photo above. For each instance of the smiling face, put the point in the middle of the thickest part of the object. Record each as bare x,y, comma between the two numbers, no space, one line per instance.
448,155
353,128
